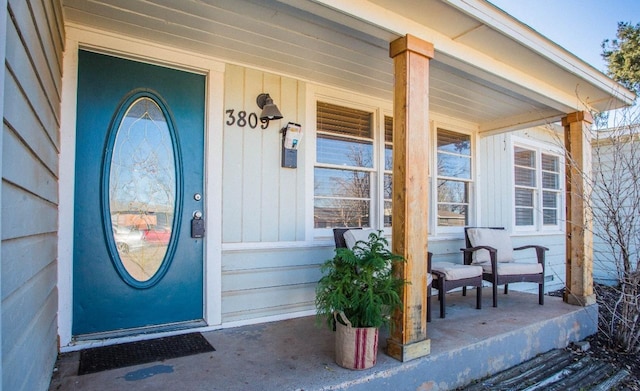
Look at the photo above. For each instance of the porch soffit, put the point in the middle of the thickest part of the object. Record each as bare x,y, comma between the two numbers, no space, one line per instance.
318,43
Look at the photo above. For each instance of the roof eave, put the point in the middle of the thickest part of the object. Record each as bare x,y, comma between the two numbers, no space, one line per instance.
506,24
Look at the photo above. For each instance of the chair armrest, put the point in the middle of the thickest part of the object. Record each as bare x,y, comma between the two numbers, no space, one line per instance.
473,249
540,250
470,250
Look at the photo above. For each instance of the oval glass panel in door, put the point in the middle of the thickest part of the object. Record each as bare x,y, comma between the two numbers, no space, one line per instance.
142,188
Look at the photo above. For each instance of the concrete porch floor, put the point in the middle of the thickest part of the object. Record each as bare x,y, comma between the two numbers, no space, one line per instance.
297,355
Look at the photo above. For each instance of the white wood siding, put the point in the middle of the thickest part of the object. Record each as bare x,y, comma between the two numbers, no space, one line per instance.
494,181
496,208
30,147
449,251
270,282
261,200
610,162
263,204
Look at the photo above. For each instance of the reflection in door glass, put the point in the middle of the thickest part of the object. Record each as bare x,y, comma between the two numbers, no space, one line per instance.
142,189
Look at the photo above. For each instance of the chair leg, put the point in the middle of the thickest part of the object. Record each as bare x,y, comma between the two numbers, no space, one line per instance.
495,294
441,296
541,294
464,290
506,288
429,304
479,297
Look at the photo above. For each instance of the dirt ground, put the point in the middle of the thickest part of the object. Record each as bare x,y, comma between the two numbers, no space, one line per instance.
602,349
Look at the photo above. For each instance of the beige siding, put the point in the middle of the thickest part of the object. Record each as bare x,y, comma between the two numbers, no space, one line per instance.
30,147
270,282
263,204
494,173
610,164
260,198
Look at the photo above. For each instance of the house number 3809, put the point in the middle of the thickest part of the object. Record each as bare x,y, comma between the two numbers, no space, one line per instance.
242,119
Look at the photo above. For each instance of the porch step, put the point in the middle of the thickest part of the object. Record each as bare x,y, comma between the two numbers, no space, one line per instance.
556,370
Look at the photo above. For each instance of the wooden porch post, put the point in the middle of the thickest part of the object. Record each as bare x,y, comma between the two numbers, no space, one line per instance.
579,284
411,57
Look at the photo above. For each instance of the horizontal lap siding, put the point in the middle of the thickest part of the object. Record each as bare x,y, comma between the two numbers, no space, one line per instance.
30,148
270,282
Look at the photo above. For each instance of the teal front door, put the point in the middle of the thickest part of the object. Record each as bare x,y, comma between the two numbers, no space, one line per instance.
138,253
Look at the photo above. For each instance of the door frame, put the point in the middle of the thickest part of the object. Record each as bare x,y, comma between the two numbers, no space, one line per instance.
82,37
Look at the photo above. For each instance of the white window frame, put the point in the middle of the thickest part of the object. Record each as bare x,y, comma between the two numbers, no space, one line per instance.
379,108
438,230
539,149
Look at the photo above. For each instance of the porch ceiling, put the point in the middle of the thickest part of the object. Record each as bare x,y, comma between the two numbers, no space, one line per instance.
479,74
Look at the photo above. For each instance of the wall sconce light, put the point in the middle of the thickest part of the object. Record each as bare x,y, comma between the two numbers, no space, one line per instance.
269,109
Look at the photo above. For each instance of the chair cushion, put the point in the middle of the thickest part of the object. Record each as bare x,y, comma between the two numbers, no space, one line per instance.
505,268
455,271
355,235
496,238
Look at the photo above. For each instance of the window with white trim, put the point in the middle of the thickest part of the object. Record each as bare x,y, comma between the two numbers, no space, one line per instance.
347,173
538,193
454,178
388,169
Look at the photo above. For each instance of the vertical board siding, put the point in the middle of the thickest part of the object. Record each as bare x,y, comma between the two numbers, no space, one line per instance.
251,174
607,259
261,204
259,197
232,159
269,165
496,202
494,182
30,146
290,203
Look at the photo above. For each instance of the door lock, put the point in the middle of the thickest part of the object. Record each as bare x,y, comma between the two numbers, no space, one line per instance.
197,225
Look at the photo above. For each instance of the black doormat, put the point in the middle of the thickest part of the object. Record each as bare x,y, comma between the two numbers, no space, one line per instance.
142,352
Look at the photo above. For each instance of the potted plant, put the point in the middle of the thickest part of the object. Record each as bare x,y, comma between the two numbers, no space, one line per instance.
356,296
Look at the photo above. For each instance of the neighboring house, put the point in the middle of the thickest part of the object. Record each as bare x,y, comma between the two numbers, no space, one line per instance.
616,198
115,108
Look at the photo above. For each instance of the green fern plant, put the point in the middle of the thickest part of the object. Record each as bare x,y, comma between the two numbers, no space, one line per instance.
360,283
